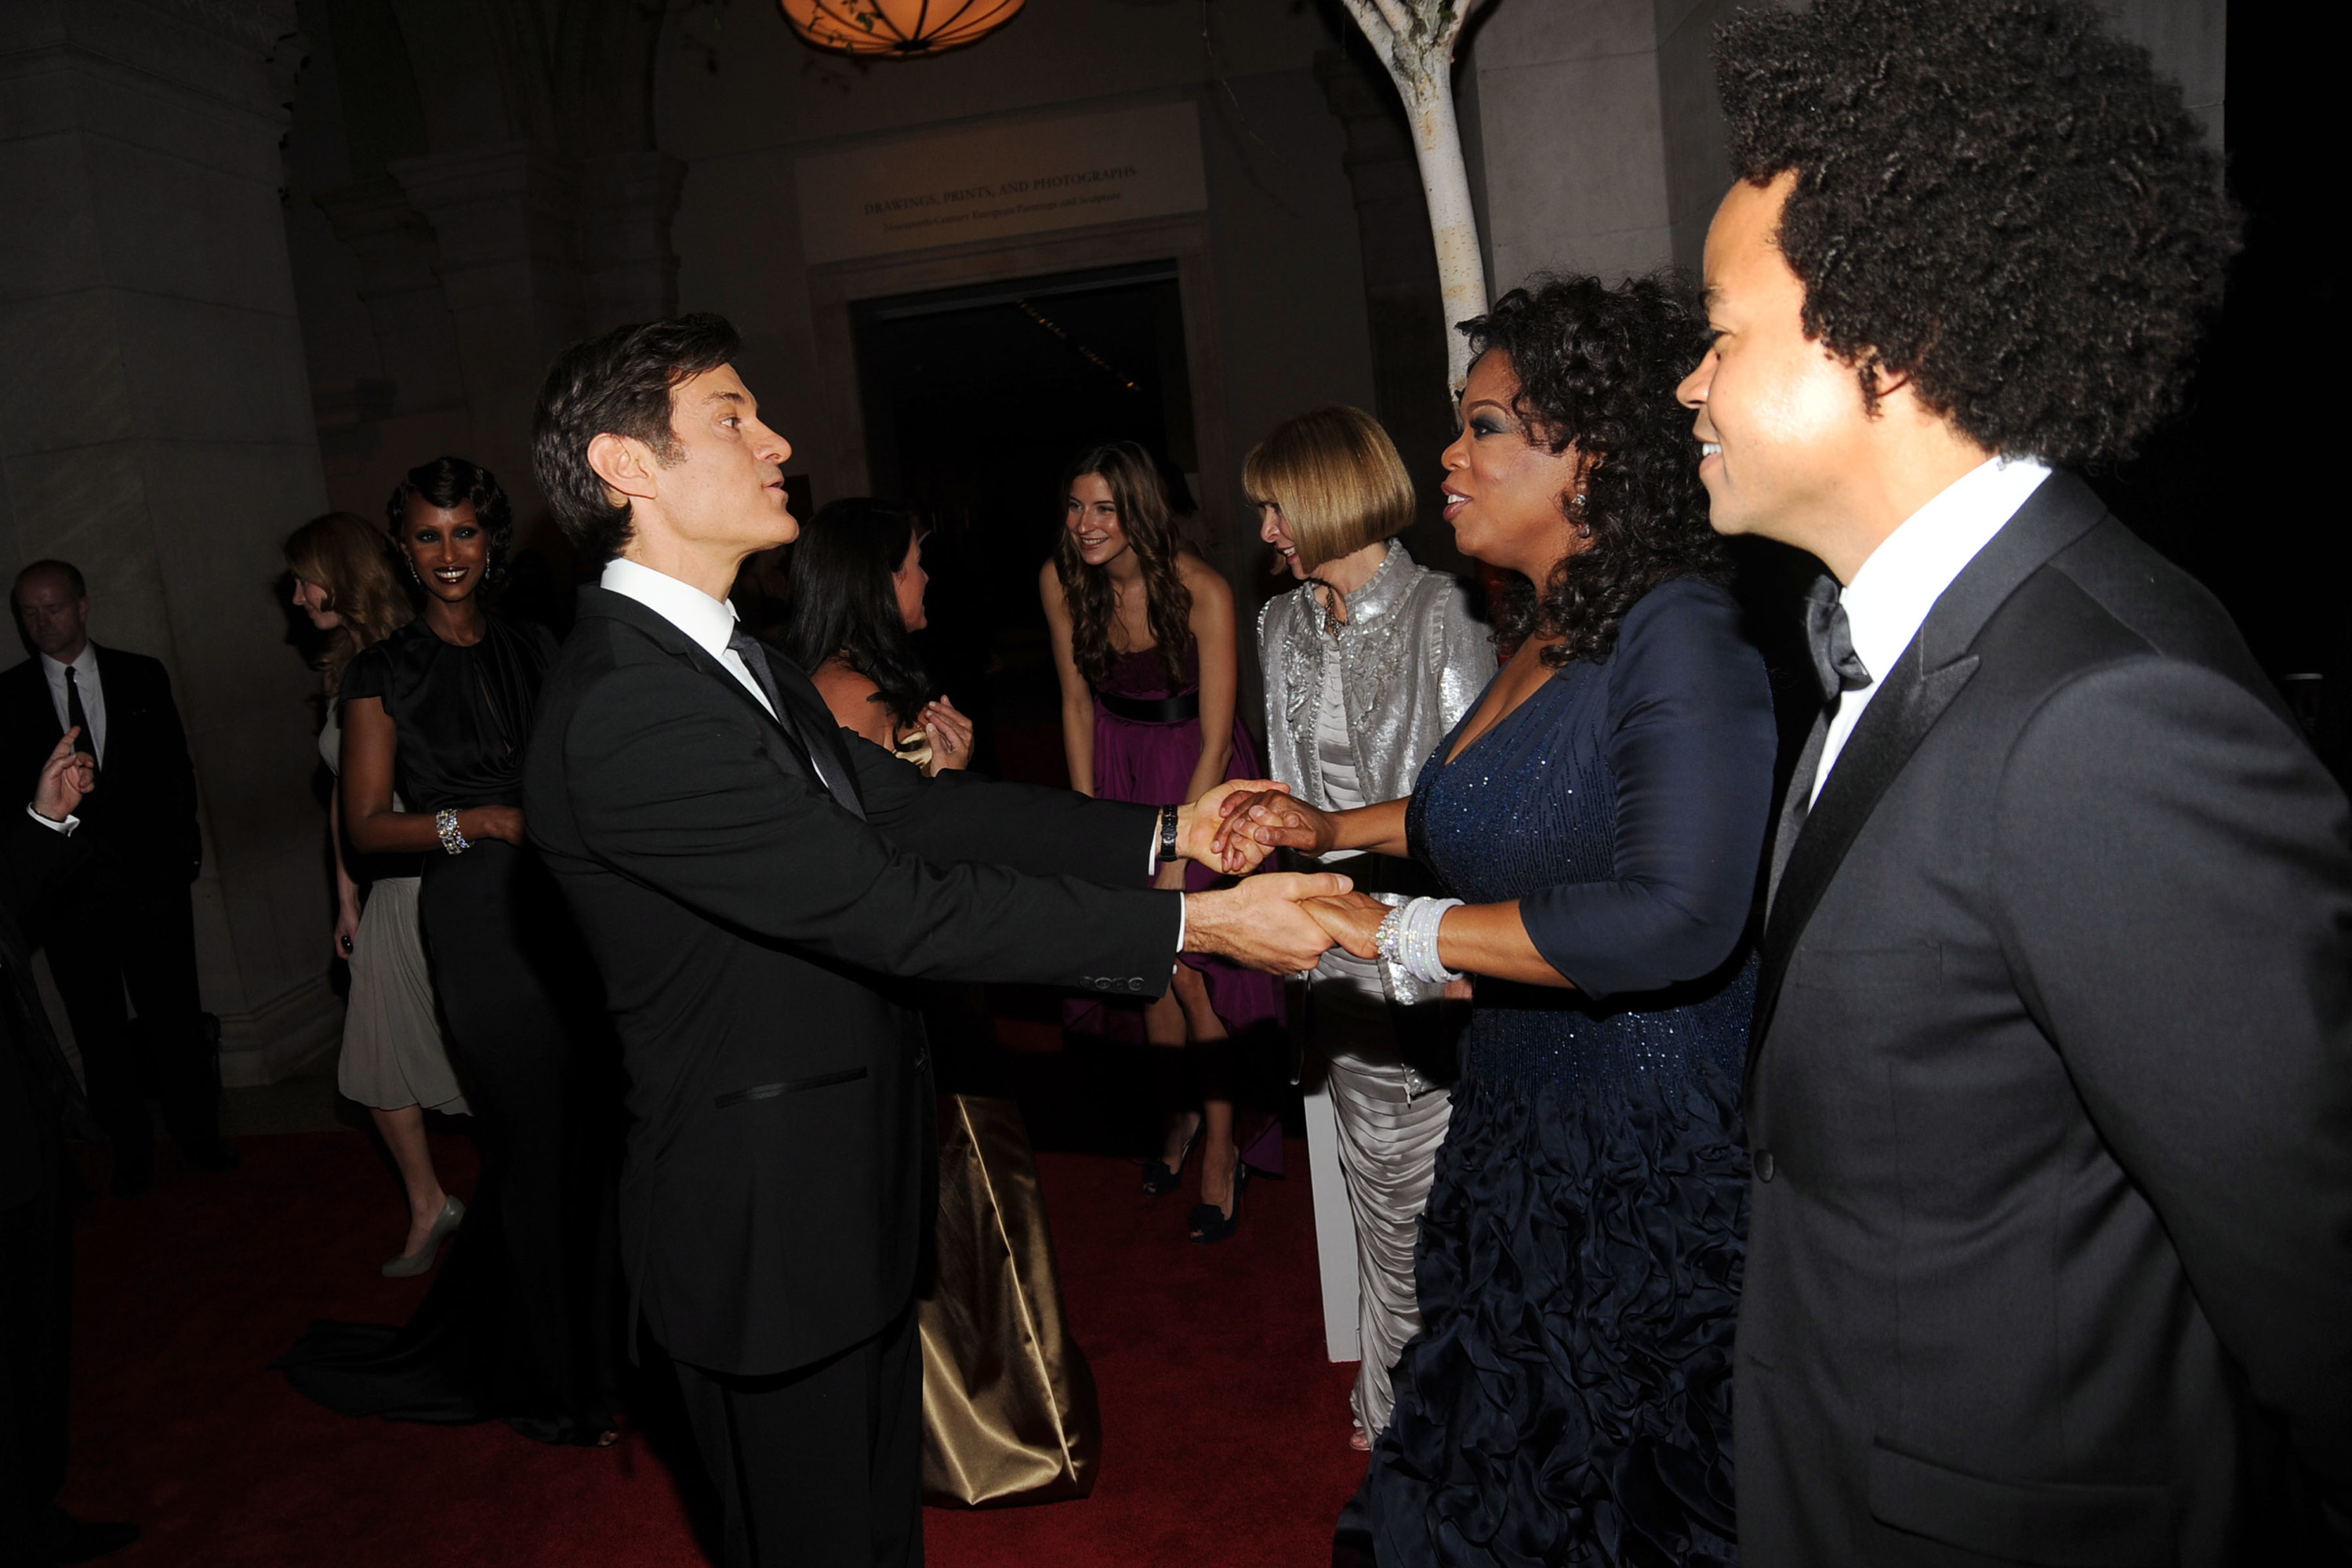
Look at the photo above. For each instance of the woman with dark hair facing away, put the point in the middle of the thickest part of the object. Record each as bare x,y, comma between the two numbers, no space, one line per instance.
1145,645
515,1326
857,578
1368,664
392,1060
1599,820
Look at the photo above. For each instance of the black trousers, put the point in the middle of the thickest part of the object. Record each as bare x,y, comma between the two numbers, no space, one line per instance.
36,1313
115,931
820,1467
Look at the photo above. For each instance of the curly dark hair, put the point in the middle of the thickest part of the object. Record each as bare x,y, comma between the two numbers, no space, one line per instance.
1999,198
1141,496
619,384
448,483
1598,366
846,599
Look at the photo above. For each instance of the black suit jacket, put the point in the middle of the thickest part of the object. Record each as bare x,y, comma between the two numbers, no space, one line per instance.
141,817
772,1193
40,1100
2052,1092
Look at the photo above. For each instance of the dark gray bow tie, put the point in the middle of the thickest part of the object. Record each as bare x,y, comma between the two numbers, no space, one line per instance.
1838,667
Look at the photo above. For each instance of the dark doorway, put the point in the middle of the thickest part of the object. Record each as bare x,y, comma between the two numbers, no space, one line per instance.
976,400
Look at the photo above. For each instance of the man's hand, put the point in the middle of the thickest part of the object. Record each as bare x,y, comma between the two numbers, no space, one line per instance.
65,778
1200,833
1267,819
1262,923
1353,920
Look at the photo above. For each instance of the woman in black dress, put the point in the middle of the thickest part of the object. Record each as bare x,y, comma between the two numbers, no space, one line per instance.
1600,814
519,1324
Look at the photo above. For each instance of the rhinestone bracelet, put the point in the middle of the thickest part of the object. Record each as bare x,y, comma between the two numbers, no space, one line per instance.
445,824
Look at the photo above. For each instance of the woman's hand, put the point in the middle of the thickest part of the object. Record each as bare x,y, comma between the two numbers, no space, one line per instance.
1201,833
65,778
1352,920
950,733
492,822
1272,818
347,925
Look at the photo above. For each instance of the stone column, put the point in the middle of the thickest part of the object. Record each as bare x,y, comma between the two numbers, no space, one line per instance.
505,219
155,429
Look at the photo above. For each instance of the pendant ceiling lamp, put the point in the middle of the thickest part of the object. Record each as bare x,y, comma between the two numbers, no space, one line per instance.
902,28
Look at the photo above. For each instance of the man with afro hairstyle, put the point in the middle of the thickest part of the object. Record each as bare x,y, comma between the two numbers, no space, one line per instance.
2049,1099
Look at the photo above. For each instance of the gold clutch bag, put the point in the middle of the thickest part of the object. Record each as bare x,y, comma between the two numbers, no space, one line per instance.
1009,1408
915,747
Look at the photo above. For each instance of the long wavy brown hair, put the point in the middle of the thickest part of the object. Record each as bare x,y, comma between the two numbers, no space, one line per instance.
1151,527
348,557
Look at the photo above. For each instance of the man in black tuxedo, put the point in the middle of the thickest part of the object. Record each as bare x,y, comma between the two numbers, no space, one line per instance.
40,1107
748,875
2050,1099
126,922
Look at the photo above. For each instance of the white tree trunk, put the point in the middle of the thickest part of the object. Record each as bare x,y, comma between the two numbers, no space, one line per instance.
1414,39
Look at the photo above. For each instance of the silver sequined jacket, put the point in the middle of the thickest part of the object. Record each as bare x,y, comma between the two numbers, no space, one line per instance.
1412,661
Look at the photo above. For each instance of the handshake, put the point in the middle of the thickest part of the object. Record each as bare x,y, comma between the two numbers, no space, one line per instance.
1282,921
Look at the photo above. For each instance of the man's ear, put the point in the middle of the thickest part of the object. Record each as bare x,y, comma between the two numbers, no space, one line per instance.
625,465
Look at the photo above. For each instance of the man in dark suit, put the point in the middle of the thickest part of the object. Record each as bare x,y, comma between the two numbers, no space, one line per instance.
125,924
747,875
40,1107
2050,1100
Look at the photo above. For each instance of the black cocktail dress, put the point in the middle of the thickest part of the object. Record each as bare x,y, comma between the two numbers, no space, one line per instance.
1568,1399
520,1323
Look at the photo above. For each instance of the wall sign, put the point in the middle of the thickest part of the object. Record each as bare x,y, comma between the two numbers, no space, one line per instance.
994,182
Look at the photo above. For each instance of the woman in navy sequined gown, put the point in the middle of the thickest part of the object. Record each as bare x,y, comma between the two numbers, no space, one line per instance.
1602,813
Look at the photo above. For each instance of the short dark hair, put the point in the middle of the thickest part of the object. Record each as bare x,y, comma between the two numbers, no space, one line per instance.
619,384
1598,366
66,569
1999,198
448,483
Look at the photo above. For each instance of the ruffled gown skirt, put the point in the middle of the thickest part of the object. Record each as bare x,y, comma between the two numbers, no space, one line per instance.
1569,1398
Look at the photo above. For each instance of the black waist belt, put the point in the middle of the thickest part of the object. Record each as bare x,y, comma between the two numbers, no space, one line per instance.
1151,709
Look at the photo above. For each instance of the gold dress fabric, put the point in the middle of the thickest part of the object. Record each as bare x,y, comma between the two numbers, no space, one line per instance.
1009,1407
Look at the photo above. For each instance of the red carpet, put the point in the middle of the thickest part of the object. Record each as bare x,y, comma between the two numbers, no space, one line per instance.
1225,1429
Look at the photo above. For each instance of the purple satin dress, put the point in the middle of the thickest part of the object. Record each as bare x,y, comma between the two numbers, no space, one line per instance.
1151,763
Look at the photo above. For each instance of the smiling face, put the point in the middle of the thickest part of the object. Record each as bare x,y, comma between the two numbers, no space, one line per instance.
449,550
1091,515
1506,490
1275,529
1780,420
909,580
313,600
56,619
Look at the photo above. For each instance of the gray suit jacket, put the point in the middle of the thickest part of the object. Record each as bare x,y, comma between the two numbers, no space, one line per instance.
2051,1096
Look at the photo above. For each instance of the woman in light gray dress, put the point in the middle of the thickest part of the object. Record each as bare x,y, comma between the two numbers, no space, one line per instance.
1369,664
394,1059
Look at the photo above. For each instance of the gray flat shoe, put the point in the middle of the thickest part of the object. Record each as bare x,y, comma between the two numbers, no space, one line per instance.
408,1264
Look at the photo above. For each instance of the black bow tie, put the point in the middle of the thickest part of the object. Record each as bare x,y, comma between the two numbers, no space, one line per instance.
1838,667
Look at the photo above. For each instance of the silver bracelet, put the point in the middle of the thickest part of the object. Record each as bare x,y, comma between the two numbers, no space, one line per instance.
445,824
1416,943
1390,936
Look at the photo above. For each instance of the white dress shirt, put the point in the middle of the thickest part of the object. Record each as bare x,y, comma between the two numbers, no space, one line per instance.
93,696
1890,597
711,623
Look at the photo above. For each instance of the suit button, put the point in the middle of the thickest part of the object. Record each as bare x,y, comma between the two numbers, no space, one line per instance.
1764,1166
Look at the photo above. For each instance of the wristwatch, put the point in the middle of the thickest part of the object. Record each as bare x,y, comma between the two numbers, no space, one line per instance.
1167,835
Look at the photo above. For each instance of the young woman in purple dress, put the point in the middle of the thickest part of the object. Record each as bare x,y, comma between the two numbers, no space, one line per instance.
1145,643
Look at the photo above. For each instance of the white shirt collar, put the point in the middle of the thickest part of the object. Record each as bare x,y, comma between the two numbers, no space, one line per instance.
709,622
1890,597
86,662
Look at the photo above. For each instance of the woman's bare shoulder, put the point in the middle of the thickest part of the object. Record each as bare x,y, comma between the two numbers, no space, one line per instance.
1202,578
850,697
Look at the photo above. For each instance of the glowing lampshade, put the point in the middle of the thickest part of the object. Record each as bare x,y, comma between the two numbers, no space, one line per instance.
902,28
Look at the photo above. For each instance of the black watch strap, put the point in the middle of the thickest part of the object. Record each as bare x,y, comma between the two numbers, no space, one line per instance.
1167,835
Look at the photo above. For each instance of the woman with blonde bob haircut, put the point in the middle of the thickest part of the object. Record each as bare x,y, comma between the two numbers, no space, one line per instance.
393,1060
1369,664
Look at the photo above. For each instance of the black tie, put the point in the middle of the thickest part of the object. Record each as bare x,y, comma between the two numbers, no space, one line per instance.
1837,666
77,719
748,649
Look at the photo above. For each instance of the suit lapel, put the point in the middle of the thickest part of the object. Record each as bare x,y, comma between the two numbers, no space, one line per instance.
1932,672
784,744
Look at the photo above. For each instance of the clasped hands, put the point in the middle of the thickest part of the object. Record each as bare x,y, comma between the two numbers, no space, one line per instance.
1281,921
